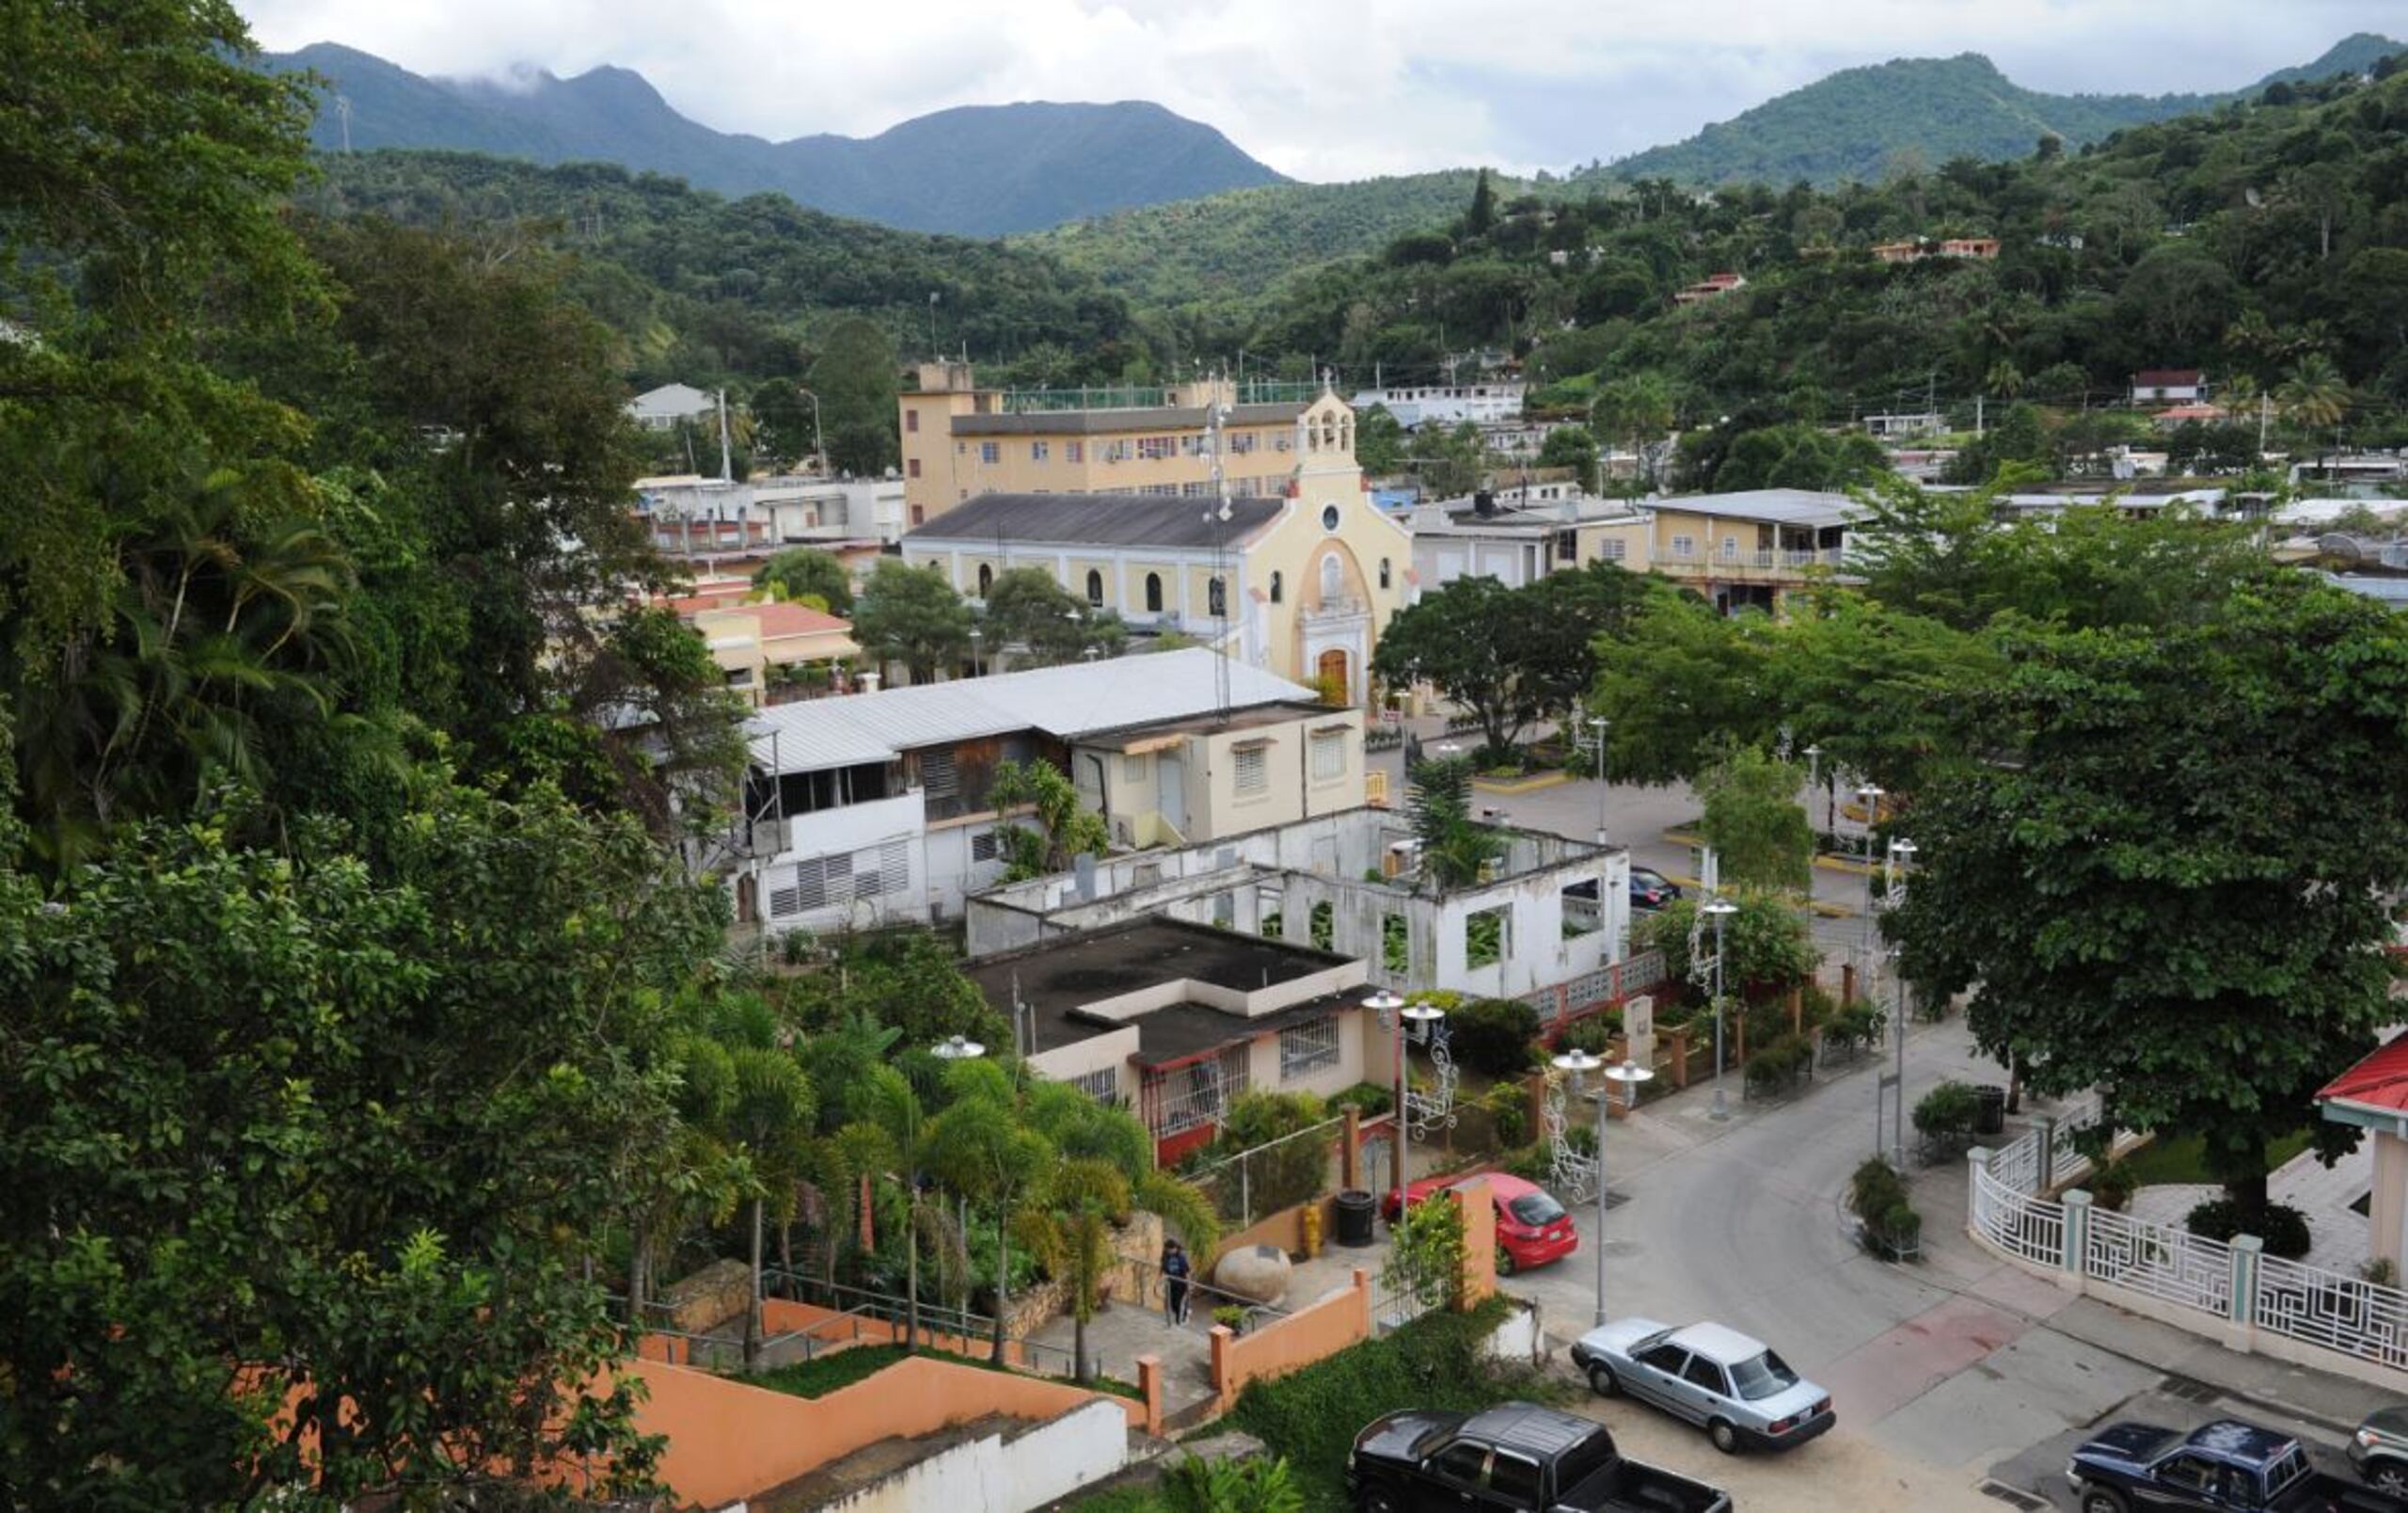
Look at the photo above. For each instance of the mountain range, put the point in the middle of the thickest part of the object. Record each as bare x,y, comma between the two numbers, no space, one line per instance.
1852,124
982,171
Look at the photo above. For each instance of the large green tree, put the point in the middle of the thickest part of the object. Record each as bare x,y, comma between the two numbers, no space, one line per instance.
911,615
854,375
1754,821
808,573
276,1127
2165,876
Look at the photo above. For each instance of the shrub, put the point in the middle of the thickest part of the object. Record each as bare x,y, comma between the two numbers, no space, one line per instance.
1311,1415
1948,1109
1531,1163
1582,1137
1855,1026
2110,1186
1875,1188
1254,1485
1901,1232
2284,1229
1230,1317
1778,1064
1508,1105
1592,1034
1369,1097
1817,1007
1495,1036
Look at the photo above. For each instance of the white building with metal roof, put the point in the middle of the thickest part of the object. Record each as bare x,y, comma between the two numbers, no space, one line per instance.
874,807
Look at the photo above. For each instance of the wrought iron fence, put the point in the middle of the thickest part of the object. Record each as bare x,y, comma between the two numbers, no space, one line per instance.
1260,1180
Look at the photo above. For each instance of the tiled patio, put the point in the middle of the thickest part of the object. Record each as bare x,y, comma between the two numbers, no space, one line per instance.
2339,1233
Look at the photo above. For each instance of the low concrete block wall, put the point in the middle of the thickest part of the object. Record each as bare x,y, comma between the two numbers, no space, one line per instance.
1326,1328
996,1475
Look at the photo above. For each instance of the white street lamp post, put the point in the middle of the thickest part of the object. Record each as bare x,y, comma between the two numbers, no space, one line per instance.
1577,1064
1597,725
1385,1004
1901,853
1413,1013
1718,909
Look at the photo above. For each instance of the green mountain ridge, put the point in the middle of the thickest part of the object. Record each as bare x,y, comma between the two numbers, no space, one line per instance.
1861,122
977,171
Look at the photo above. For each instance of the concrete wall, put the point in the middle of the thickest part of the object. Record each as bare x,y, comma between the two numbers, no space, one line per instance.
2387,1216
995,1475
1305,1337
728,1441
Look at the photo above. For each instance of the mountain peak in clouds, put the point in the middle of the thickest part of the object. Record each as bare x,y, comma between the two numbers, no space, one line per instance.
1856,123
976,171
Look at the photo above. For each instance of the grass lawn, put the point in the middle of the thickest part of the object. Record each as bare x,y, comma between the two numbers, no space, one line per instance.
817,1378
1123,1500
2179,1160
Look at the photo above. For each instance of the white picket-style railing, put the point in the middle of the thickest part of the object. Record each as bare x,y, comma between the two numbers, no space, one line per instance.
2202,1278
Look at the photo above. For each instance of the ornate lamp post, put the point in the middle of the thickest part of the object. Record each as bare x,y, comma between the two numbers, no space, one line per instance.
1385,1004
1718,909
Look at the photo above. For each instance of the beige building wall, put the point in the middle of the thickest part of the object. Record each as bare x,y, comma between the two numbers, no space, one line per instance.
1263,1061
1109,1051
2387,1215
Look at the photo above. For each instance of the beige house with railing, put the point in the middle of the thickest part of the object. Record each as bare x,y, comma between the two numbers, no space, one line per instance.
960,440
1749,549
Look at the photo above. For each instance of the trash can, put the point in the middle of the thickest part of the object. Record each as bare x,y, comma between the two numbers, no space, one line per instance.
1354,1210
1989,1114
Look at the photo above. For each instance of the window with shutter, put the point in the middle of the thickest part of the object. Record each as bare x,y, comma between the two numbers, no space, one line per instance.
1254,769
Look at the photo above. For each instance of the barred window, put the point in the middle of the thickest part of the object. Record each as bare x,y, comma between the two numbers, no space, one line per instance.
984,846
1329,756
1102,1084
1308,1047
1613,548
1254,769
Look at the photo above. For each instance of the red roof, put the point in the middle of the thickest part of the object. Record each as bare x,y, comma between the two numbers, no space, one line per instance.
2380,1081
2163,377
781,619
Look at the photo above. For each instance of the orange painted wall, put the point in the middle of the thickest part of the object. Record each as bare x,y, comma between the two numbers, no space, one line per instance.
728,1440
1302,1338
782,1316
1479,1244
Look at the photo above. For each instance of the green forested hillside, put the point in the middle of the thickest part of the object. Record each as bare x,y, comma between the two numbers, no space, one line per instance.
1860,124
1233,246
702,288
2255,241
979,170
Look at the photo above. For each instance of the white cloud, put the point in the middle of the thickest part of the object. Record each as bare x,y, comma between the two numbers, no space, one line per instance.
1322,91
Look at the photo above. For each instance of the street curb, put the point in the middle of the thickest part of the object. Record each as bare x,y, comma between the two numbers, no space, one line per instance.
1829,863
1508,787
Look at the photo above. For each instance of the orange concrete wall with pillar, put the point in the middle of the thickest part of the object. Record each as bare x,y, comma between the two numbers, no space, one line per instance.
728,1441
1326,1328
1479,1209
832,1328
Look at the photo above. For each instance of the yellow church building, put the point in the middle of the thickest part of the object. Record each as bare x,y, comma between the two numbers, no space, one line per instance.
1300,584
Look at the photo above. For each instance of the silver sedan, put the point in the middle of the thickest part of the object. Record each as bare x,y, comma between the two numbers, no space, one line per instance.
1736,1389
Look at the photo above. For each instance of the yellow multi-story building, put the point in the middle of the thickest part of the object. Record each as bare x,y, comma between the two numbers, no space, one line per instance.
1749,549
960,440
1299,578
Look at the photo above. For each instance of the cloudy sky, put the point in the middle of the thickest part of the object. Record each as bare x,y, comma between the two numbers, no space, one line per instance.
1331,90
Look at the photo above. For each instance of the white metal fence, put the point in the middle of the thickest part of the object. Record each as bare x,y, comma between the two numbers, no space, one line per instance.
1260,1181
2209,1282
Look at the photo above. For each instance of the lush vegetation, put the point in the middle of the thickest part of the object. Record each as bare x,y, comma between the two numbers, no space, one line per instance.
1865,123
1311,1416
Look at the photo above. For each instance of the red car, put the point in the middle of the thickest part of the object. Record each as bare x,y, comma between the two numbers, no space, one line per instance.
1532,1228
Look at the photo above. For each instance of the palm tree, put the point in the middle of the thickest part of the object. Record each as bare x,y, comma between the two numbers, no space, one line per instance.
1070,1228
980,1148
1453,849
766,1123
2004,380
2315,395
895,1109
222,627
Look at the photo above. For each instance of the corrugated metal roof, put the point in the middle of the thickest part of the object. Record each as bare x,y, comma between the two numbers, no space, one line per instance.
1063,702
2380,1081
1099,520
1777,507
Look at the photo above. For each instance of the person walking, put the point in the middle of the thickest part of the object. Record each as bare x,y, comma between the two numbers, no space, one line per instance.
1176,1272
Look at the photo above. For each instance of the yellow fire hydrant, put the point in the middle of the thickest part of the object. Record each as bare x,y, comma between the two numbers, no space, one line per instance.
1312,1231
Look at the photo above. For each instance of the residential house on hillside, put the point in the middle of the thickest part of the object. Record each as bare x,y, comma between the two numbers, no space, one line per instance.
1750,549
1978,249
1301,584
1176,1020
2169,385
657,409
960,440
1448,404
1914,422
1712,286
876,808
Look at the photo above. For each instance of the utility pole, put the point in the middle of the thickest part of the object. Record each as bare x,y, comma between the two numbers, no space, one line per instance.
1977,416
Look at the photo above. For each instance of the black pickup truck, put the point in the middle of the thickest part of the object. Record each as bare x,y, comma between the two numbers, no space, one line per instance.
2225,1467
1516,1458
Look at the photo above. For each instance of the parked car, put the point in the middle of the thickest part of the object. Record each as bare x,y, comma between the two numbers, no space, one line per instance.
1532,1228
1651,889
1736,1389
2379,1450
2225,1467
1516,1458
